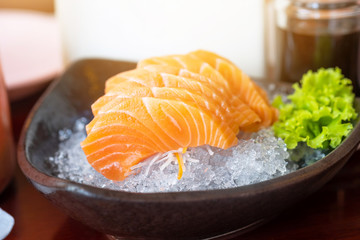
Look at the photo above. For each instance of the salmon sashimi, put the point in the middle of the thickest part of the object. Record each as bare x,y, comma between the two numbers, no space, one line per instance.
168,104
190,63
208,76
172,124
241,84
226,76
178,94
142,82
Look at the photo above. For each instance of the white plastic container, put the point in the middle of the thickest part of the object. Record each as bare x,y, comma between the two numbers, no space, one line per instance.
136,29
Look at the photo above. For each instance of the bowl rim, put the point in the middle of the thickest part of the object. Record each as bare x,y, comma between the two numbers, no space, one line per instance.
41,179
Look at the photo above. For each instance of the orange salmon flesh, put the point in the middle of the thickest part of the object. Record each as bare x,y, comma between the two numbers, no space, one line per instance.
172,102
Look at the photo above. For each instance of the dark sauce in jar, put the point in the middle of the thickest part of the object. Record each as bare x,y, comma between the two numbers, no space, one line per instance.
309,44
302,52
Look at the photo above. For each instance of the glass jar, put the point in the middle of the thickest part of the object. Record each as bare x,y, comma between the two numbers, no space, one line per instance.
310,34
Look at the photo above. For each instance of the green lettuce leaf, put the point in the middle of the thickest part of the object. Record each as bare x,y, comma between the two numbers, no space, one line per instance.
319,112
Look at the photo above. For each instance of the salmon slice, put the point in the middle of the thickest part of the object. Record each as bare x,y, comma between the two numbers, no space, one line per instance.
247,115
175,124
241,84
124,122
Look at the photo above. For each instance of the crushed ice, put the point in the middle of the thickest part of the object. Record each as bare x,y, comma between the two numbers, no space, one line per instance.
259,158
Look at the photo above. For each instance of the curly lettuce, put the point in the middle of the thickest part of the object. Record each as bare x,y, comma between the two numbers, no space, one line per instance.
319,112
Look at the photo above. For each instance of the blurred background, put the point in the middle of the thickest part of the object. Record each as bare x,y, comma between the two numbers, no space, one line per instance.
125,30
133,30
30,46
264,43
37,5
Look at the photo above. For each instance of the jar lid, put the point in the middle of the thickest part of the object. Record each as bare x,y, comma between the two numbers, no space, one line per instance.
323,9
325,4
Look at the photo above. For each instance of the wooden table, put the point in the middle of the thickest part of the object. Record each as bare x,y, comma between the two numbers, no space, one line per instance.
331,213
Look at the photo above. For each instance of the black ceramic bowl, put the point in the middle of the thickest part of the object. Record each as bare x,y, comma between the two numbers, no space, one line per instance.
191,215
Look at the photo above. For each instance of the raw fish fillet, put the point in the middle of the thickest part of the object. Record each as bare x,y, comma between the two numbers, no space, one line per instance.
242,86
169,103
146,126
142,82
